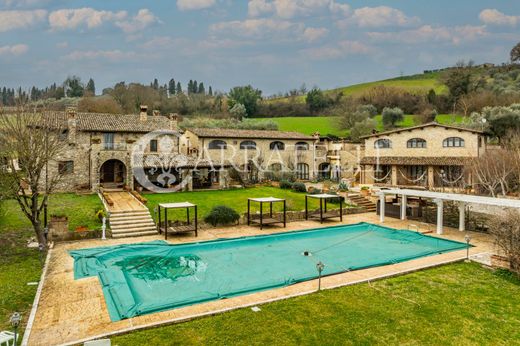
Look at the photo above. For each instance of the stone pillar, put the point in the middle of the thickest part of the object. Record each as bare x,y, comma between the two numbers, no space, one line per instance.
382,201
431,177
440,215
403,207
462,217
394,175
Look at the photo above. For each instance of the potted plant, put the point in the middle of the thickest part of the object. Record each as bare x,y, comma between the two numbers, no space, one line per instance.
59,217
365,191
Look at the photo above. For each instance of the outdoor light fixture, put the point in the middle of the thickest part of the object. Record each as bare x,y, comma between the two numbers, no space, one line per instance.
319,266
15,320
41,248
467,239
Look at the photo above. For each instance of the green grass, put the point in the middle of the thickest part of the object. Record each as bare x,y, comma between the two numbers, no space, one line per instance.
78,208
461,304
328,125
236,199
415,84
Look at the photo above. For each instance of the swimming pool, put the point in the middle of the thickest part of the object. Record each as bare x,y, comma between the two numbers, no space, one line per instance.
143,278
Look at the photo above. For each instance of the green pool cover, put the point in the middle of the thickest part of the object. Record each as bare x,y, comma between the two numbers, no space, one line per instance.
143,278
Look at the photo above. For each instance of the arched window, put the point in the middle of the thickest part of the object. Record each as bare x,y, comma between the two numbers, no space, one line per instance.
453,142
251,145
275,167
302,146
217,144
302,171
383,143
416,143
277,145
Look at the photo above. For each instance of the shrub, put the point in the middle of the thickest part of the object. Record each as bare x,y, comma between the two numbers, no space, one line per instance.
299,187
285,184
222,215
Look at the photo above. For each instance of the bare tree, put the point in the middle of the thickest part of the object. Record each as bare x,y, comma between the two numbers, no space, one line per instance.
28,143
506,231
495,172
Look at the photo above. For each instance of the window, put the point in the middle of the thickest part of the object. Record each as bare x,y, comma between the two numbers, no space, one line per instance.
302,171
217,144
383,143
248,145
66,167
63,135
153,145
108,139
277,145
416,143
275,167
453,142
302,146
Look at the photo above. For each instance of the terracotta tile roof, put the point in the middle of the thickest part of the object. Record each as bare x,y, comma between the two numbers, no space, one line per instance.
434,124
93,122
237,133
416,161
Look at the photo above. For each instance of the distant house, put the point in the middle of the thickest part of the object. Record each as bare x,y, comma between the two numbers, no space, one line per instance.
428,156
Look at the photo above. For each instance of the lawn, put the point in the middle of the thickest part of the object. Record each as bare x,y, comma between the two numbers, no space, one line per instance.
461,304
236,199
78,208
20,265
329,125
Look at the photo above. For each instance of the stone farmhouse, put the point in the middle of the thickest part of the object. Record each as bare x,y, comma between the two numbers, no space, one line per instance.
426,156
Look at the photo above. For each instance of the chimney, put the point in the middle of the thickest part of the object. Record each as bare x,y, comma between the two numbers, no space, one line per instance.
174,117
143,114
71,124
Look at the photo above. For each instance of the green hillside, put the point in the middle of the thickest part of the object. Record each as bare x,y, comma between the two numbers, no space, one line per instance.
416,84
328,125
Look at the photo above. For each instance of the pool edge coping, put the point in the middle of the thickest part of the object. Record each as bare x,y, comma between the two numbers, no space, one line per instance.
267,301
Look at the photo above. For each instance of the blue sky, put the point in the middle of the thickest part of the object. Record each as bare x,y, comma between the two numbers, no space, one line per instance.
275,45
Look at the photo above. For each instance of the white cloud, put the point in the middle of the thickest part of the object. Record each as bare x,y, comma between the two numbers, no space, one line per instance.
495,17
339,50
141,20
257,28
381,16
187,5
314,34
292,8
339,8
112,55
89,17
428,33
10,20
15,50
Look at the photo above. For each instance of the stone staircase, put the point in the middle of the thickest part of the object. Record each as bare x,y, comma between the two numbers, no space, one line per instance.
131,224
128,217
363,202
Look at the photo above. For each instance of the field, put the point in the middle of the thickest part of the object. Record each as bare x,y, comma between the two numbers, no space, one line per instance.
329,125
461,304
415,84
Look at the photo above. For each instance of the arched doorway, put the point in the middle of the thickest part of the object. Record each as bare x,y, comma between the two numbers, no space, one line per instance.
324,171
112,172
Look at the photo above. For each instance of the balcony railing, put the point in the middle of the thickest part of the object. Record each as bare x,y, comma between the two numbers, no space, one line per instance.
115,146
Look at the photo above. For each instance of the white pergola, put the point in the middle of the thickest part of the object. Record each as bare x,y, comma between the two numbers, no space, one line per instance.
439,198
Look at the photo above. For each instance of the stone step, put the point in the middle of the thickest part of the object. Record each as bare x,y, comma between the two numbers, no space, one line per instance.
135,229
125,220
132,225
130,212
133,234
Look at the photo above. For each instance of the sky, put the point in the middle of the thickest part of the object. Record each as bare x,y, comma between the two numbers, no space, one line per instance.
274,45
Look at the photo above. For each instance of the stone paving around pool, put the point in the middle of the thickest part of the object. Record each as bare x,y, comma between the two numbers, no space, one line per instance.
72,311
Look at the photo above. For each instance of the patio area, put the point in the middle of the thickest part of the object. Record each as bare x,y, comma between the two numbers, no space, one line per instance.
70,311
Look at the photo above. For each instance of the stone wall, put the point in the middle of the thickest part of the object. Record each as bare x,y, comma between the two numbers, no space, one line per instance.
59,231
